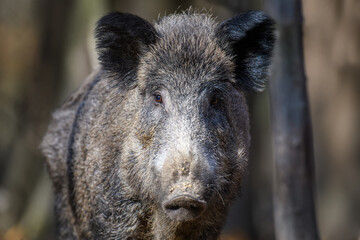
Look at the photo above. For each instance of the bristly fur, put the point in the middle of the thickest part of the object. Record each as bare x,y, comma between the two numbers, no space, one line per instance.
117,157
121,38
251,38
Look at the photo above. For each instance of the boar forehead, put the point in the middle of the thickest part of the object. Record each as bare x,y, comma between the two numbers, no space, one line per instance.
186,54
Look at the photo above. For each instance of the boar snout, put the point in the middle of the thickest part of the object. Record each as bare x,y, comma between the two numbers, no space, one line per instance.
184,207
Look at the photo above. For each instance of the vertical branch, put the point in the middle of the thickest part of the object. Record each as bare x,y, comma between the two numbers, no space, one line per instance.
295,216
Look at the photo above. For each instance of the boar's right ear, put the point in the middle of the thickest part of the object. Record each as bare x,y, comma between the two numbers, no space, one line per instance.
120,40
249,38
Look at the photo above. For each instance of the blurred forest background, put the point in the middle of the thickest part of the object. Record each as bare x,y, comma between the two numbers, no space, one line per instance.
47,49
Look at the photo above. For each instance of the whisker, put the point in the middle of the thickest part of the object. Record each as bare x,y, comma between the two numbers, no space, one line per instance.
222,200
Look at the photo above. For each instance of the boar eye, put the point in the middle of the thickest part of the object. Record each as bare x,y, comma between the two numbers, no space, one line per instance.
158,98
214,100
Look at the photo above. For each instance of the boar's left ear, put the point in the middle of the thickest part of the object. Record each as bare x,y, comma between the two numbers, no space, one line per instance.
120,40
250,39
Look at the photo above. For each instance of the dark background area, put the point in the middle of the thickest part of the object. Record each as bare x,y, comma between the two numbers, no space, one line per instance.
47,49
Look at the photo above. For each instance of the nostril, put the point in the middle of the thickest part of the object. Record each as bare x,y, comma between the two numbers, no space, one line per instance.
184,208
193,207
173,207
185,202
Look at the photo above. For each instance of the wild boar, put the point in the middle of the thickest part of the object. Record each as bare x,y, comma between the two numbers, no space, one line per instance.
155,143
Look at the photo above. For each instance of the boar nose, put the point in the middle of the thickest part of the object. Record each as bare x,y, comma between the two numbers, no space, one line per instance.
184,208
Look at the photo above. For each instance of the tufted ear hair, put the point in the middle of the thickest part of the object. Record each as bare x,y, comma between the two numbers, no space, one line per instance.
121,38
249,38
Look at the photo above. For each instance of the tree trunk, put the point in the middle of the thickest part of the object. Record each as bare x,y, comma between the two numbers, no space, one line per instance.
295,216
39,87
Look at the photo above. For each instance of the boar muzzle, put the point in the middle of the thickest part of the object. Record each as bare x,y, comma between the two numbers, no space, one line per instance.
184,208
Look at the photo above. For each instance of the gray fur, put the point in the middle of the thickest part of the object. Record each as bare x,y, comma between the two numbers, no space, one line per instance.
116,156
